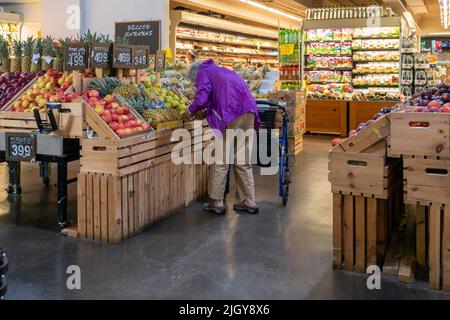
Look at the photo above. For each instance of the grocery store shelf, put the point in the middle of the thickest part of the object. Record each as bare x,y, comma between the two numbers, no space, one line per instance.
366,61
328,69
329,55
376,86
377,38
235,53
376,50
188,38
327,41
374,73
328,82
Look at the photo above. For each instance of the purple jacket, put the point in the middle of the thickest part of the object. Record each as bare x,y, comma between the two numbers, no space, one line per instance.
224,94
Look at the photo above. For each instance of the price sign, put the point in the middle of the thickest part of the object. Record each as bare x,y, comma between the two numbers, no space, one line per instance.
287,49
100,55
140,57
20,147
160,63
75,56
122,56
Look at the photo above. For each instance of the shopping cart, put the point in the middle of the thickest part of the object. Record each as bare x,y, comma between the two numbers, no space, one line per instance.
267,112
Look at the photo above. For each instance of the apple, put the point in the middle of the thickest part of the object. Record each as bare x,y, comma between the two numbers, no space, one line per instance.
125,110
107,118
121,132
115,105
114,126
42,102
146,126
94,93
123,118
109,98
115,117
106,112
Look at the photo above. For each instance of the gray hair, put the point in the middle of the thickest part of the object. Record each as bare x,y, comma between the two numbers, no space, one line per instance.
193,70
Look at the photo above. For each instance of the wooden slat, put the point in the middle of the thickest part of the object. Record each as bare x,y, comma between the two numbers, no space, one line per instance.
90,207
348,233
371,236
407,262
446,251
360,234
420,235
435,247
103,214
125,209
131,209
96,206
381,228
146,196
152,193
115,210
337,230
81,200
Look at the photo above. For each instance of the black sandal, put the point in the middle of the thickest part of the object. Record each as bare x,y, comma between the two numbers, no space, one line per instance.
208,207
243,207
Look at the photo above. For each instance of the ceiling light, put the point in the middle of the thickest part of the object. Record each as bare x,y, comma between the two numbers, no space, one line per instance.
444,5
272,10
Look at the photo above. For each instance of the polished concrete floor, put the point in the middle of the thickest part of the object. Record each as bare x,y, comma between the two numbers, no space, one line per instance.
283,253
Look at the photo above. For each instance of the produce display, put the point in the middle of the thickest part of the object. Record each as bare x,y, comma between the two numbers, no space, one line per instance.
328,76
329,48
328,62
377,80
368,59
50,87
376,67
12,83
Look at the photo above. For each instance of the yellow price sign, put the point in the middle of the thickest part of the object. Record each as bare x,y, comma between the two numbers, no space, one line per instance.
287,49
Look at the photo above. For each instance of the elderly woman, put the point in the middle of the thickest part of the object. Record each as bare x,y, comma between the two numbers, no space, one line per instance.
229,105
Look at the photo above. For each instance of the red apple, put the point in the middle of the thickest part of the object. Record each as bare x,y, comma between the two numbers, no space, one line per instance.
121,132
94,93
107,118
115,117
114,126
146,126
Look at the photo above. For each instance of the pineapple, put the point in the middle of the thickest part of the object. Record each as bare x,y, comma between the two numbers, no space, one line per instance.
58,62
126,90
4,55
37,50
106,85
28,46
47,51
16,61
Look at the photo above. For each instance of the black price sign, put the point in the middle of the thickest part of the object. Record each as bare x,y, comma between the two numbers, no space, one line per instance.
122,56
100,56
20,147
140,57
141,33
75,57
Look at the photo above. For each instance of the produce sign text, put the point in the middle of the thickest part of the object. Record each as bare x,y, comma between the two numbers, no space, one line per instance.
140,57
100,56
122,57
141,33
20,147
75,57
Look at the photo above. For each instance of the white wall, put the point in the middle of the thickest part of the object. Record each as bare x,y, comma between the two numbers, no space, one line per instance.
100,15
56,21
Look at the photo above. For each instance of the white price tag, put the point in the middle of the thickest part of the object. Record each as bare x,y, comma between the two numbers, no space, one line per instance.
48,59
35,58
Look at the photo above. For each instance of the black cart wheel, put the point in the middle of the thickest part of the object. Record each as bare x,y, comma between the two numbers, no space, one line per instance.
46,181
286,181
10,189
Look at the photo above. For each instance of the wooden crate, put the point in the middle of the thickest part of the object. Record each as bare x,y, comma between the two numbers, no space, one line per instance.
427,181
368,173
379,131
128,155
112,209
362,111
433,244
361,228
327,116
70,121
430,140
295,145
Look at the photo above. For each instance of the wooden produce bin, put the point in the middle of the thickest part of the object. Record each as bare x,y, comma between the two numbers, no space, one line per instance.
125,185
362,111
326,116
367,198
295,104
420,134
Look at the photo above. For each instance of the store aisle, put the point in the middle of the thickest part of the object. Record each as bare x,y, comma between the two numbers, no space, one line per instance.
283,253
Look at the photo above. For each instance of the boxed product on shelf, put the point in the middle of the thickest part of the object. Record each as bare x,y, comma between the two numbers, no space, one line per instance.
328,35
376,32
375,44
329,48
376,56
377,67
376,80
329,62
328,76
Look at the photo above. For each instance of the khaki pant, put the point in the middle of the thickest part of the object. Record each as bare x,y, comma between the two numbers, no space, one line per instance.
242,170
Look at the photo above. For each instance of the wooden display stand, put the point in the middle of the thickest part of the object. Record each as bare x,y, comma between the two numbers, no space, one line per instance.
326,116
362,111
127,184
295,103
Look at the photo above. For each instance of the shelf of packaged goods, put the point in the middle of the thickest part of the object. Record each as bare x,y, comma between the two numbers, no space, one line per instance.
328,82
329,55
362,86
328,69
328,41
376,38
287,80
367,61
243,44
235,53
375,50
356,73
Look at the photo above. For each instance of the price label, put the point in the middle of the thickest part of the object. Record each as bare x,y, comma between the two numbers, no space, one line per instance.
287,49
140,57
75,57
122,57
35,58
101,56
20,147
160,62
